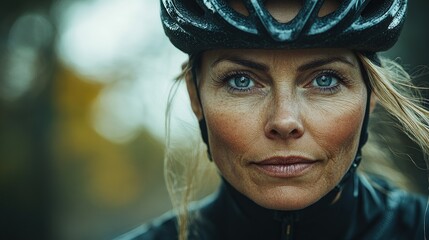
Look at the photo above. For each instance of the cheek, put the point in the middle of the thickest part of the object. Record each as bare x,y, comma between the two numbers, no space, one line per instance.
233,130
230,131
338,131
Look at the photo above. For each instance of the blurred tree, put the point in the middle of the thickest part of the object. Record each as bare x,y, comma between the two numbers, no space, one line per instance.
10,10
24,119
100,187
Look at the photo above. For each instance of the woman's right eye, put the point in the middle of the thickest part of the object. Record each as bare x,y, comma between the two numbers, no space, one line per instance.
240,83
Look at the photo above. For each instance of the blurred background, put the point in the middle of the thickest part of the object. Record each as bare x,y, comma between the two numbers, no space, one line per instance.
83,91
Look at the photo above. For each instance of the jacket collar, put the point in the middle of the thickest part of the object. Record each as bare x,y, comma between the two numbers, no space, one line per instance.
322,220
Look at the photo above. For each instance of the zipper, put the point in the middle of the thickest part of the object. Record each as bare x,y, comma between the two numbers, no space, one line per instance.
289,231
288,227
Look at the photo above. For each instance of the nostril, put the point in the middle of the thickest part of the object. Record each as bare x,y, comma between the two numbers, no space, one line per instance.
284,133
273,134
294,132
284,128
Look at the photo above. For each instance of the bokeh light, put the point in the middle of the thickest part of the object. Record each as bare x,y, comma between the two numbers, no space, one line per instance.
121,43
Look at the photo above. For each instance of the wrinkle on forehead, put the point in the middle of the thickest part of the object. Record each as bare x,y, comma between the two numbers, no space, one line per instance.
284,11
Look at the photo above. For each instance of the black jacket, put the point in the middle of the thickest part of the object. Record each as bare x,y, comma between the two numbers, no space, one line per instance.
364,211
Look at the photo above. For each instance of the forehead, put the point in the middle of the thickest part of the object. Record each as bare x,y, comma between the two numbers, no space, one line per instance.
278,57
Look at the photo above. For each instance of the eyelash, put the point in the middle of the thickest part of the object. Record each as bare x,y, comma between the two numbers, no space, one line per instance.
331,73
225,78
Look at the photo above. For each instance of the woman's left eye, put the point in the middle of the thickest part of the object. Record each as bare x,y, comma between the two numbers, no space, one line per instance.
325,81
241,82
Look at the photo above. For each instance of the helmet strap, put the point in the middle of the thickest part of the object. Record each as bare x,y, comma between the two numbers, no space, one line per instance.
202,122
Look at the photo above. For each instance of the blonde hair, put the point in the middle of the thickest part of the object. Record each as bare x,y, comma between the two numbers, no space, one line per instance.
186,167
392,86
390,83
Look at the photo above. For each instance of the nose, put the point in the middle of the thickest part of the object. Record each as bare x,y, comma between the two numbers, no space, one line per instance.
284,121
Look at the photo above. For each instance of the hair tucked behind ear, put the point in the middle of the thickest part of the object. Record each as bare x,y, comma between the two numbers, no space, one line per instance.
392,85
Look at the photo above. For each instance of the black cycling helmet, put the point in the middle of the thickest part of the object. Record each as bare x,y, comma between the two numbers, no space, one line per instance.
362,25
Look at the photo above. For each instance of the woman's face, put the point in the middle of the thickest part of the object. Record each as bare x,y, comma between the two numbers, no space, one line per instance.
283,125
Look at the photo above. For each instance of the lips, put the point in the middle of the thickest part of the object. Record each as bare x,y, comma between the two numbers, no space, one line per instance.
285,167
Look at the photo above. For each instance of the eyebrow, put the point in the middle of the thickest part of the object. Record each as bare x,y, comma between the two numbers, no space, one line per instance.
324,61
263,67
243,62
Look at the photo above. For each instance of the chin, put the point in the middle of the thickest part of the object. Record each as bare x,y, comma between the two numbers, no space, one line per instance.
286,198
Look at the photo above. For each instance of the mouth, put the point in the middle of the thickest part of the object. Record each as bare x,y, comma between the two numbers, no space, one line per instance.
285,167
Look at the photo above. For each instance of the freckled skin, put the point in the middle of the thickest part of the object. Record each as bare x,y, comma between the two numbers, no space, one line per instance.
282,117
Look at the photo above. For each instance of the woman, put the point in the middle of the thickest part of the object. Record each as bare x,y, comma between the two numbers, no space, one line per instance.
283,91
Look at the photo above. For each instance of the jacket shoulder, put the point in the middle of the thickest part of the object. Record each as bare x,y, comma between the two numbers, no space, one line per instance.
404,214
163,227
412,213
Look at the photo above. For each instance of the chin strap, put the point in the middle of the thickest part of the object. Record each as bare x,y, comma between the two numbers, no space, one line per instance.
202,123
204,135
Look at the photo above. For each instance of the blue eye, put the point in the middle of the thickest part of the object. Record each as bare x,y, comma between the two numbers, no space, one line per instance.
325,81
241,82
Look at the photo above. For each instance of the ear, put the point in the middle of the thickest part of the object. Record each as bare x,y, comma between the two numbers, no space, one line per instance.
372,102
193,95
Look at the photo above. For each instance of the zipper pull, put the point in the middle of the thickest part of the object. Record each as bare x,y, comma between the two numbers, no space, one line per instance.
287,229
289,232
287,223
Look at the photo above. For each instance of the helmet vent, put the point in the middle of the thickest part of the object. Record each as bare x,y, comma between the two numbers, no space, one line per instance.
328,7
193,7
239,7
374,8
283,11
